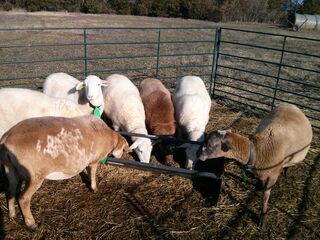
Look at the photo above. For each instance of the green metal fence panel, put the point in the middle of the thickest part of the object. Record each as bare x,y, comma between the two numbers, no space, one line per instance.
243,68
258,70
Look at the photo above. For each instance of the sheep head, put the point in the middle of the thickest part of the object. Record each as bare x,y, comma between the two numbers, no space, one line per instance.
216,145
143,148
93,89
121,146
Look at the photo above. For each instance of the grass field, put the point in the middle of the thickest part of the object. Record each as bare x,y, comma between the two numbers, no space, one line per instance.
133,204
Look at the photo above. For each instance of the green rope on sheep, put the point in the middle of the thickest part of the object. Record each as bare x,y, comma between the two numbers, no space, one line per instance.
97,113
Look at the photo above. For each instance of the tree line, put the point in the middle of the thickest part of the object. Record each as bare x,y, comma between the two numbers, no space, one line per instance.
213,10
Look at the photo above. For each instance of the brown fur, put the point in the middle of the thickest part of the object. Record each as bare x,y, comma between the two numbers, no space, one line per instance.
159,111
29,154
158,107
282,139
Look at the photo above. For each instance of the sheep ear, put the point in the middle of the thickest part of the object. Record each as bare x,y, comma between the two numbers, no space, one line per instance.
136,143
80,86
222,133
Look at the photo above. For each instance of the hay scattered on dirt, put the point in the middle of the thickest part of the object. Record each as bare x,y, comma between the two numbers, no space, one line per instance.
133,204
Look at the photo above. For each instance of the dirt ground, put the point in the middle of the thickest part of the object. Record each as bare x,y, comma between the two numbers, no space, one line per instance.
133,204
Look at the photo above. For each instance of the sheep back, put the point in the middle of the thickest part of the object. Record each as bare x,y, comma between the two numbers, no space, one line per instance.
192,103
158,107
62,85
282,138
123,104
58,144
17,104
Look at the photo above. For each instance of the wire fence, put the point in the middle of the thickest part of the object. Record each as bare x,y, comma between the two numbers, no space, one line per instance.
254,70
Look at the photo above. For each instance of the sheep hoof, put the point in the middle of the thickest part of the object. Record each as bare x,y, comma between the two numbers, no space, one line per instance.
32,226
262,221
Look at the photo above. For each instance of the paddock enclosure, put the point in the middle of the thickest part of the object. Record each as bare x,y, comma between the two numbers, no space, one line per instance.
246,72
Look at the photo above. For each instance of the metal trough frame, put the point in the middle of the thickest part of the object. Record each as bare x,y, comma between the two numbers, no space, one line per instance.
209,184
207,179
191,174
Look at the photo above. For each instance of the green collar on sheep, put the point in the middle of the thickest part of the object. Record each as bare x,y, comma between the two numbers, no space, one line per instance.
104,160
97,112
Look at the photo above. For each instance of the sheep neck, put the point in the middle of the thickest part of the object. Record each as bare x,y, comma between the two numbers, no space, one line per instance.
240,149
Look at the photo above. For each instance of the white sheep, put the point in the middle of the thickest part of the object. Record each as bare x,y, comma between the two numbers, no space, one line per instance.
192,105
87,92
123,106
17,104
54,148
281,140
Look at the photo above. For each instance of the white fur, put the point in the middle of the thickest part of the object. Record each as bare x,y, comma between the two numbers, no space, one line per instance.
17,104
192,107
124,107
83,92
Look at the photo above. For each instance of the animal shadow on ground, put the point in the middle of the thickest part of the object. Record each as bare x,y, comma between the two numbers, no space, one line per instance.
208,188
138,207
3,187
304,203
157,227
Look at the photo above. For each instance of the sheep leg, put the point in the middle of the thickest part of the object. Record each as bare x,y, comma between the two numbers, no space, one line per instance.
92,171
24,201
266,195
12,189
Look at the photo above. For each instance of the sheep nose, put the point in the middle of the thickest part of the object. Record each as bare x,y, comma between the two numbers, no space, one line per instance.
90,97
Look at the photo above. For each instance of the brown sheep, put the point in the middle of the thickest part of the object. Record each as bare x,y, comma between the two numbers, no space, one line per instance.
159,109
281,140
54,148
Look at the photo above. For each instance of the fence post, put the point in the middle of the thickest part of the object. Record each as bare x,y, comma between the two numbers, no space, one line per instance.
215,58
279,71
85,53
158,53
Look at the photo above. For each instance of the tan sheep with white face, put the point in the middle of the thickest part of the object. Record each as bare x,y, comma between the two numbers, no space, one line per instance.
281,140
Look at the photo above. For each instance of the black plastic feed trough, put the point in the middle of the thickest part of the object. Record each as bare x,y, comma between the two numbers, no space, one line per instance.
206,177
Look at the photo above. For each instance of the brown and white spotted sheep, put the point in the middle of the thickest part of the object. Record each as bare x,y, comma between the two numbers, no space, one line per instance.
54,148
